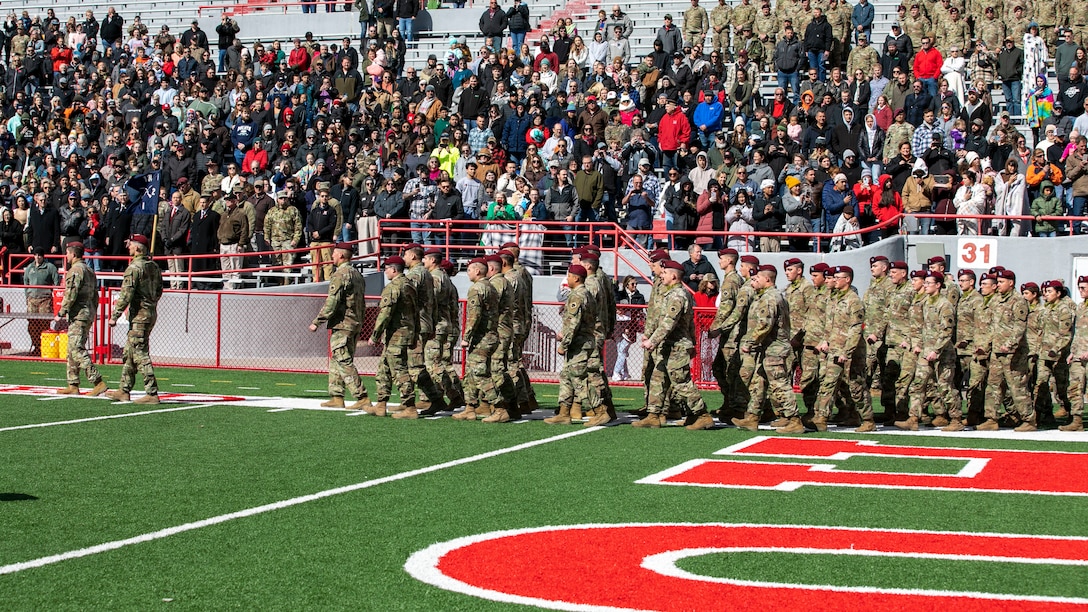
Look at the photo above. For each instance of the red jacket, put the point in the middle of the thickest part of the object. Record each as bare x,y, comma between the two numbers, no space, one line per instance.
299,59
60,56
674,131
887,213
927,64
256,154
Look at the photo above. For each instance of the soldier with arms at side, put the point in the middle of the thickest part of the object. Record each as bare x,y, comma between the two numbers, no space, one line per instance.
79,305
397,328
343,314
139,295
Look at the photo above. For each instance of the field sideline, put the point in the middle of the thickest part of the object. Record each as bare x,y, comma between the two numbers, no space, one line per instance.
210,503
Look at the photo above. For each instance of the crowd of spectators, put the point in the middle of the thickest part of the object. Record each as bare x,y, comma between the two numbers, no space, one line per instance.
677,145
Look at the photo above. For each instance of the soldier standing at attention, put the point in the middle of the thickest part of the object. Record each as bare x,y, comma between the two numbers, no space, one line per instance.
696,24
397,328
721,17
1052,380
653,312
140,293
522,322
673,345
438,352
845,352
980,363
899,360
970,302
1031,293
1078,361
1009,354
768,342
79,305
506,409
577,341
812,360
727,299
876,321
936,363
741,367
525,284
430,398
598,286
284,226
343,314
480,342
800,295
951,290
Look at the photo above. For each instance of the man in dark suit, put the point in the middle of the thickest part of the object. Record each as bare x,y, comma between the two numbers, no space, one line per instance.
175,238
44,224
204,241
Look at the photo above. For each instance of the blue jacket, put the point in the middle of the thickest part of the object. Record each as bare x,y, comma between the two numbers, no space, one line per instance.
833,203
862,16
710,115
513,133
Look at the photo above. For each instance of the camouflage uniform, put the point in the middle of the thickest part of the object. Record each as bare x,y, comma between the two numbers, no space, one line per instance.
577,345
481,334
862,58
916,28
522,321
953,33
343,314
423,284
721,16
140,293
1008,355
980,364
736,369
1046,15
398,329
79,305
876,324
844,330
674,350
210,183
1052,374
744,15
653,316
768,342
1078,20
696,24
898,359
813,362
599,286
991,32
438,352
898,133
938,331
1078,370
839,18
505,334
283,226
1033,336
521,333
800,295
966,331
769,26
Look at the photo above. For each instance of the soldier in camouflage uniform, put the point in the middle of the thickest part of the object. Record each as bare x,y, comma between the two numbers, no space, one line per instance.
524,324
875,303
1052,369
397,328
721,17
730,324
480,342
966,330
1077,13
953,33
673,344
916,26
1008,354
1017,22
744,15
283,226
1034,335
577,342
438,352
430,398
653,312
863,57
600,288
768,341
845,351
812,360
1046,15
79,305
951,289
212,180
696,24
766,27
991,30
343,314
800,297
139,295
896,374
506,409
838,15
980,364
1078,361
899,133
936,363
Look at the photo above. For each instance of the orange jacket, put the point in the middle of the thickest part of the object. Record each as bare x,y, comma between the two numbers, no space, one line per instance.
1048,172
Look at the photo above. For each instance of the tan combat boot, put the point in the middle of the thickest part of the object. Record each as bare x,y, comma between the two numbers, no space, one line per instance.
376,409
1077,424
484,409
562,418
989,425
147,399
954,425
780,422
118,395
653,420
69,390
498,415
1061,413
468,414
334,402
911,424
793,426
749,422
866,427
576,411
361,404
703,421
600,417
940,421
408,412
1027,425
99,389
819,423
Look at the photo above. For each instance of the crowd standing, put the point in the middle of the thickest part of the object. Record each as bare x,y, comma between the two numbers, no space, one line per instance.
678,144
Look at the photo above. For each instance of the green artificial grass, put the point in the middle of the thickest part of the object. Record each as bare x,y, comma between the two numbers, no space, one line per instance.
78,485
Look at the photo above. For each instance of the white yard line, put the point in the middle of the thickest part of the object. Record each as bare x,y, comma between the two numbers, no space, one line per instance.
287,503
104,418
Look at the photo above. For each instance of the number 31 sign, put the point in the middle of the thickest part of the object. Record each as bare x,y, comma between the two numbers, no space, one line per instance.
976,253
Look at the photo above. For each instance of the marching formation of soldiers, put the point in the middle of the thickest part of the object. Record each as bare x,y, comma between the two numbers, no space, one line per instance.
943,351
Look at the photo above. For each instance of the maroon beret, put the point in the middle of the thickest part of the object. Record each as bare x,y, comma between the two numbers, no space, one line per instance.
504,252
937,276
1007,274
446,265
936,259
343,246
591,256
820,268
395,260
435,252
873,260
996,269
844,270
987,276
511,245
727,252
1029,286
659,255
592,248
767,268
577,270
919,274
74,244
493,258
673,265
139,238
792,261
899,265
1082,279
750,259
967,272
1056,284
479,260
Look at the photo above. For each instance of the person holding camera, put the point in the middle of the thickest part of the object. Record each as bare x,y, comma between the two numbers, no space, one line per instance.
639,205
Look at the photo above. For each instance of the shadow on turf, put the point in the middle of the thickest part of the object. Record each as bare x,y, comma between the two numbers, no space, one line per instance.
9,497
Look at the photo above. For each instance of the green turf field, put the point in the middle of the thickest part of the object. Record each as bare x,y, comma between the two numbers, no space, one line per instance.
68,488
